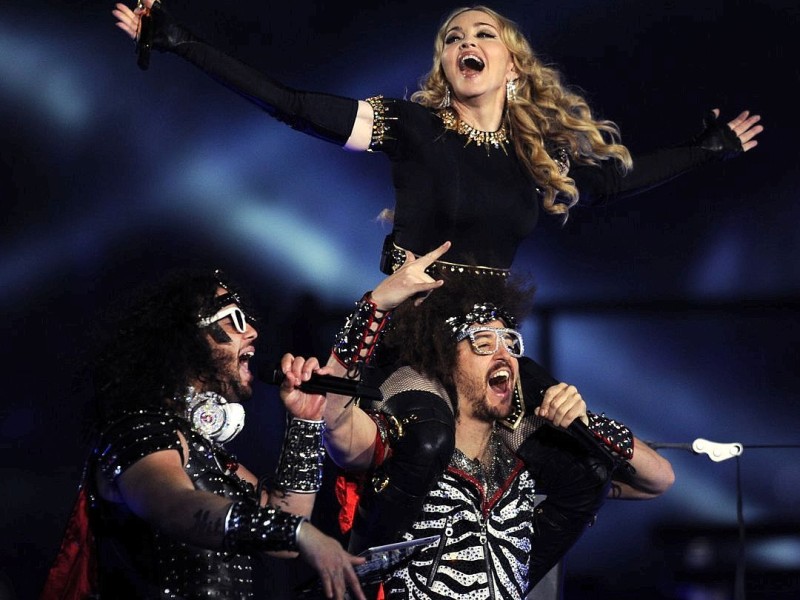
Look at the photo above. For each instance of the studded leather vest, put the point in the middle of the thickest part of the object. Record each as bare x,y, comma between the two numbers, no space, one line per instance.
137,561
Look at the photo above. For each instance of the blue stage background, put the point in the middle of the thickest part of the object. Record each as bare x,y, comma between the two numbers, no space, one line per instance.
676,311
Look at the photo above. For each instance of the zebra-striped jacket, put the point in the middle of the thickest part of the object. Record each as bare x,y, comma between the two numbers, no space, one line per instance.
486,539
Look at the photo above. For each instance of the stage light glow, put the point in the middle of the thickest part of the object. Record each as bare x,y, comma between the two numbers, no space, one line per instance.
719,271
35,73
775,552
308,256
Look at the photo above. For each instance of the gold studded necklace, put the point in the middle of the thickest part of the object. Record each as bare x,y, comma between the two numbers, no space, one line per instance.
487,139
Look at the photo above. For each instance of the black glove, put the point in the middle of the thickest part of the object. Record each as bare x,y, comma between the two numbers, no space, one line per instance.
160,31
168,34
717,138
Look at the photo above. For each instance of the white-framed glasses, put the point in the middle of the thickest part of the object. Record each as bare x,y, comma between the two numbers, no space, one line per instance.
238,318
486,340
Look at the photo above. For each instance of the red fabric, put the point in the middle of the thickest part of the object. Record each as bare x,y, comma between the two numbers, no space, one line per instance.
73,575
348,488
348,485
347,494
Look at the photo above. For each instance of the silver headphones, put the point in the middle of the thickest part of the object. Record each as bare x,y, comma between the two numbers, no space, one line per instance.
212,416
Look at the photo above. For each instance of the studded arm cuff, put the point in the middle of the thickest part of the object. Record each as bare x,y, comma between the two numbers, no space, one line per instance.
357,340
300,466
381,129
250,528
615,435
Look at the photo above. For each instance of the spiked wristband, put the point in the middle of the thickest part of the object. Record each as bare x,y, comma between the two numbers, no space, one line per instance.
357,340
250,528
300,466
613,434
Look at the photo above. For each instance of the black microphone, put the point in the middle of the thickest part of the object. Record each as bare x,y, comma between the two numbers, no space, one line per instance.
145,42
539,380
321,384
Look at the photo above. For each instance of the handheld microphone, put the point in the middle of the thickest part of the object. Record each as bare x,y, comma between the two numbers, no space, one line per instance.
538,380
322,384
145,41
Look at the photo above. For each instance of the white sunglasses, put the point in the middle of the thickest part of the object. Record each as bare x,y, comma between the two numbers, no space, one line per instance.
238,318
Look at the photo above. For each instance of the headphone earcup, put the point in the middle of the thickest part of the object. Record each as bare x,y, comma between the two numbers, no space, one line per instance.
213,417
208,416
234,422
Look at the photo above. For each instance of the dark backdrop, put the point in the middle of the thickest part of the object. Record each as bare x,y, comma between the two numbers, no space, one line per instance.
676,311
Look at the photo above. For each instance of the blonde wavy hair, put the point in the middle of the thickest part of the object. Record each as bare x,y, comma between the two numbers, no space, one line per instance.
545,112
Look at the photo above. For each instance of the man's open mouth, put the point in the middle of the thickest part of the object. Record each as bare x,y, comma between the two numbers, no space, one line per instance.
500,380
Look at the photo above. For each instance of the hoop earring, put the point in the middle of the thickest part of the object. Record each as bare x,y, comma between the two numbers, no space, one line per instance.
446,99
511,91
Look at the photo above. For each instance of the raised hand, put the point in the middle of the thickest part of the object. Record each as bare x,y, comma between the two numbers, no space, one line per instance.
409,280
726,140
130,20
745,128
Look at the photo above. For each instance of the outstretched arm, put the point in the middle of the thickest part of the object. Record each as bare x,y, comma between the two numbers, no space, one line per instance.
717,141
343,121
653,477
